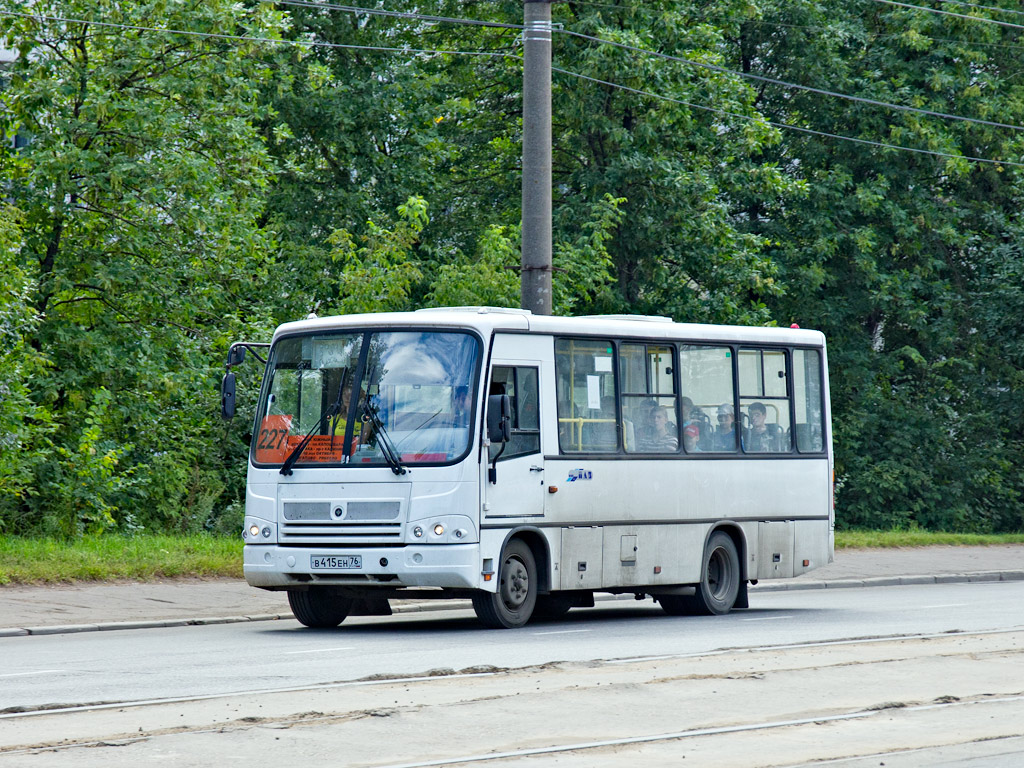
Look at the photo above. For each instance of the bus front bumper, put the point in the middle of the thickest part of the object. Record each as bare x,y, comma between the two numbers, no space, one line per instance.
455,566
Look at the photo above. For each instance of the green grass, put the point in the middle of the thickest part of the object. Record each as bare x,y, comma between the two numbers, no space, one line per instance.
889,539
111,558
147,557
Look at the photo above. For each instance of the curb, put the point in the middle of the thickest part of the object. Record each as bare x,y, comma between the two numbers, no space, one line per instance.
893,581
447,605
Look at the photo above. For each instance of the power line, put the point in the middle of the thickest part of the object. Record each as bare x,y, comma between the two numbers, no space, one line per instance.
724,70
960,41
983,7
502,54
786,84
950,13
269,40
785,126
394,14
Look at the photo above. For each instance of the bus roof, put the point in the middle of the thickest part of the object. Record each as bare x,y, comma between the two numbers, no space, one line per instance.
487,320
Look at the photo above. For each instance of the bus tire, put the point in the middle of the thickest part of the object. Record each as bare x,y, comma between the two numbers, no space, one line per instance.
319,607
677,605
720,577
552,606
512,605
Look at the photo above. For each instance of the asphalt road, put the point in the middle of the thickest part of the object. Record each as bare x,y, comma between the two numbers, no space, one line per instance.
72,669
912,673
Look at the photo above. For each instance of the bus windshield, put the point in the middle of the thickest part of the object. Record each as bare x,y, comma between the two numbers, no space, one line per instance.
368,398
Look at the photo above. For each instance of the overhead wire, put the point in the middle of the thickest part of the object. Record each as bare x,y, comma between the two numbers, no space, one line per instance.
269,40
960,41
506,54
995,8
786,84
786,126
925,8
395,14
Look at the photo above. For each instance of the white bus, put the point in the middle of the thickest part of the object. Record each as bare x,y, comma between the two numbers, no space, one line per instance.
527,462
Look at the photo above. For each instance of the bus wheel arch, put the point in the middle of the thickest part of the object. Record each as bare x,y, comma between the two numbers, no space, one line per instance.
519,582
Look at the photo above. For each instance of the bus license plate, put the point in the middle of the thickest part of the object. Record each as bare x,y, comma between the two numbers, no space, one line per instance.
335,562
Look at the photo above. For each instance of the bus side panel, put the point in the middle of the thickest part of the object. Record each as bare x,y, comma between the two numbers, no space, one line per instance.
653,554
600,492
813,544
666,507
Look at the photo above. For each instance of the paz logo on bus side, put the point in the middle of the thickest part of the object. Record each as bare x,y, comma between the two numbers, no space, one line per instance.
579,474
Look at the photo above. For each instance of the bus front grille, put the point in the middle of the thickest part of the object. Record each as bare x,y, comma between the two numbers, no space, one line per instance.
339,534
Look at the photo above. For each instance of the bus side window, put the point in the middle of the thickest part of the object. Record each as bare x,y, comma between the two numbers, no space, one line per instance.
649,409
764,401
586,396
807,400
706,381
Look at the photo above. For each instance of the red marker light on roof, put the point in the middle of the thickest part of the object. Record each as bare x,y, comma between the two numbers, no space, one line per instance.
794,325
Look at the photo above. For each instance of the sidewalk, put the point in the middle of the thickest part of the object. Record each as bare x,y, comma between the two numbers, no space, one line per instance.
91,607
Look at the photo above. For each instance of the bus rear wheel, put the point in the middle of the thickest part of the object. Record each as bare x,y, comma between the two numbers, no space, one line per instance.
720,577
319,607
719,583
512,605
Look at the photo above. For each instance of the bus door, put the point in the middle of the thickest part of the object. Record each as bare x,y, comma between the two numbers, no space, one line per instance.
517,371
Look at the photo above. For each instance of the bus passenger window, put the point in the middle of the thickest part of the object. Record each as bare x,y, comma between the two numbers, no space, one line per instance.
649,409
586,394
807,400
708,414
764,401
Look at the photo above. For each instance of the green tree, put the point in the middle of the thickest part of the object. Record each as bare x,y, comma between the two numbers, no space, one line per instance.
899,256
21,420
140,187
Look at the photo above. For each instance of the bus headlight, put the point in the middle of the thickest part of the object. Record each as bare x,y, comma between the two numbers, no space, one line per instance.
439,530
417,532
257,531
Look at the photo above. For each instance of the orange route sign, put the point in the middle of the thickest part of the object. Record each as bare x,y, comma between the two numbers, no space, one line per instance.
272,442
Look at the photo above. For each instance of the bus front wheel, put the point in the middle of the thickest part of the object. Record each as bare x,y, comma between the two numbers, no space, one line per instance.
512,605
319,607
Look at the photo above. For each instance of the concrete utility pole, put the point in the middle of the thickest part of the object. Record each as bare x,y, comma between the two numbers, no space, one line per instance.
535,275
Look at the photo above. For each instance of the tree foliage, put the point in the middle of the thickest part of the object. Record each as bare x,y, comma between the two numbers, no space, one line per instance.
140,188
178,191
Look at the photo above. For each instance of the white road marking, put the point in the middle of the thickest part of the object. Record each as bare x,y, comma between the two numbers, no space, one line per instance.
564,632
319,650
38,672
768,618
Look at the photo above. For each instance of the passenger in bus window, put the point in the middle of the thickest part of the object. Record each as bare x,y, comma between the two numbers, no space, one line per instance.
760,437
691,425
658,435
691,438
725,435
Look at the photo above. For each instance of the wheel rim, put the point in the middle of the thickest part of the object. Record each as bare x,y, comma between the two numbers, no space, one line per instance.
515,583
718,574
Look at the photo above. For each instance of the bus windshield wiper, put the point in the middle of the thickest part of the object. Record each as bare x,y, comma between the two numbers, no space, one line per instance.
332,410
387,448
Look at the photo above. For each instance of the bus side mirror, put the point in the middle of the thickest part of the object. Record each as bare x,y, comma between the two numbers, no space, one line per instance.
227,394
499,418
235,355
